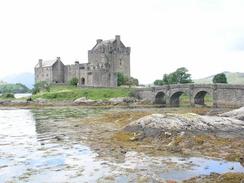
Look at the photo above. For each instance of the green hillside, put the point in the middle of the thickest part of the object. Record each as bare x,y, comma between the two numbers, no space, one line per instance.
232,78
13,88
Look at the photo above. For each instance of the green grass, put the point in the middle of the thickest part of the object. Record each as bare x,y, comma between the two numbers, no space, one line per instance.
72,93
184,100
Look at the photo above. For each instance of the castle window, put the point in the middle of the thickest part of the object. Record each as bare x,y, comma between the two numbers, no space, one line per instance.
120,62
89,73
82,67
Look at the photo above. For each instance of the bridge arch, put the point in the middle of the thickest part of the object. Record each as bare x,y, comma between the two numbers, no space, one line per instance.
175,98
160,98
200,96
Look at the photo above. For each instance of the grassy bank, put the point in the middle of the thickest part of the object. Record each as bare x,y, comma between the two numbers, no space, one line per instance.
72,93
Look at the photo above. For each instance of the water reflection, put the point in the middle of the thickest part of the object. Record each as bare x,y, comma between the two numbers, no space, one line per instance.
45,145
30,152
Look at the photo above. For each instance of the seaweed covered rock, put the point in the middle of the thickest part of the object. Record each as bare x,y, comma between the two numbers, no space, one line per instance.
156,124
237,114
84,100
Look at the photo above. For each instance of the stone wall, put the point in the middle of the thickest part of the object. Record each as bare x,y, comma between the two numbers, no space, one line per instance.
44,74
58,72
121,61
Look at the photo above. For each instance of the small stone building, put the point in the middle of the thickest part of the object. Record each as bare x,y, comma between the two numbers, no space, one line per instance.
105,60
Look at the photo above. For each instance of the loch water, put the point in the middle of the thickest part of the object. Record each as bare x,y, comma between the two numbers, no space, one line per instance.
45,145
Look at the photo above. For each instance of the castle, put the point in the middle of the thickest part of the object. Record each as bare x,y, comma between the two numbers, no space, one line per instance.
105,60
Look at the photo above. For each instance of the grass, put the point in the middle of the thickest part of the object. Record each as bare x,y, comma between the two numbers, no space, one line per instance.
184,100
71,93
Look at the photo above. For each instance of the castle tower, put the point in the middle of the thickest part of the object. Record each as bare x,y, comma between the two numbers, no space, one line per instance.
113,53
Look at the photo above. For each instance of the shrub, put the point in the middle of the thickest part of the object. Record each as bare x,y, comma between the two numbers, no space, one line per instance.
74,81
8,95
43,85
123,80
220,78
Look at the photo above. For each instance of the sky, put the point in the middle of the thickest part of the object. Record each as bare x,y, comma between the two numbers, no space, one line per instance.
205,36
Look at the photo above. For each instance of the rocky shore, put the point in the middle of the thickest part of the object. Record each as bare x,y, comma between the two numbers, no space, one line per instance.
121,101
155,125
192,134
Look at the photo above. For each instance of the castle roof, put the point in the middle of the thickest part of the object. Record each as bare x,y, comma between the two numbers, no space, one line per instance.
106,43
46,63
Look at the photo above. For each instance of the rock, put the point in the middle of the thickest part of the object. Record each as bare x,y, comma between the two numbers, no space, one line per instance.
58,138
13,102
156,124
5,102
120,100
41,101
130,100
237,114
83,100
19,102
241,161
116,100
123,151
167,134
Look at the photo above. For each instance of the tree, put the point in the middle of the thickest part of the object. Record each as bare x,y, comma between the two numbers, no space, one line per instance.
74,81
42,85
220,78
158,82
181,75
124,80
120,79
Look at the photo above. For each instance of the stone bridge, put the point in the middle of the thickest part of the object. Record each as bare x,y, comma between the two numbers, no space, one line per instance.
223,95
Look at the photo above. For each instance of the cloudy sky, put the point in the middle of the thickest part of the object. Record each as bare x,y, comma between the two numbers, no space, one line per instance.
205,36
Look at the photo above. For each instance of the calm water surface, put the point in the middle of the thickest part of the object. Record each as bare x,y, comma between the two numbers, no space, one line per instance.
43,145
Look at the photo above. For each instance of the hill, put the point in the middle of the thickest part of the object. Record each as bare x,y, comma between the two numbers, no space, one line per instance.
13,88
25,78
232,78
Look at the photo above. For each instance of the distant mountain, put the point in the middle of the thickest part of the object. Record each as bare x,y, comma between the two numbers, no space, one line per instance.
232,78
25,78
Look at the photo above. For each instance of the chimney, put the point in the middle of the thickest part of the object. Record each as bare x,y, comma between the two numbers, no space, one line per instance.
99,41
40,62
117,37
76,62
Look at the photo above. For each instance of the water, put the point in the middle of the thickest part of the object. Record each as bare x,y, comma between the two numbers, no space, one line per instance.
45,145
22,95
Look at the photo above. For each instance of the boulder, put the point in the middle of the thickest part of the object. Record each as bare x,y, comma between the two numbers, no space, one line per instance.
120,100
84,101
116,100
156,124
237,114
41,101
